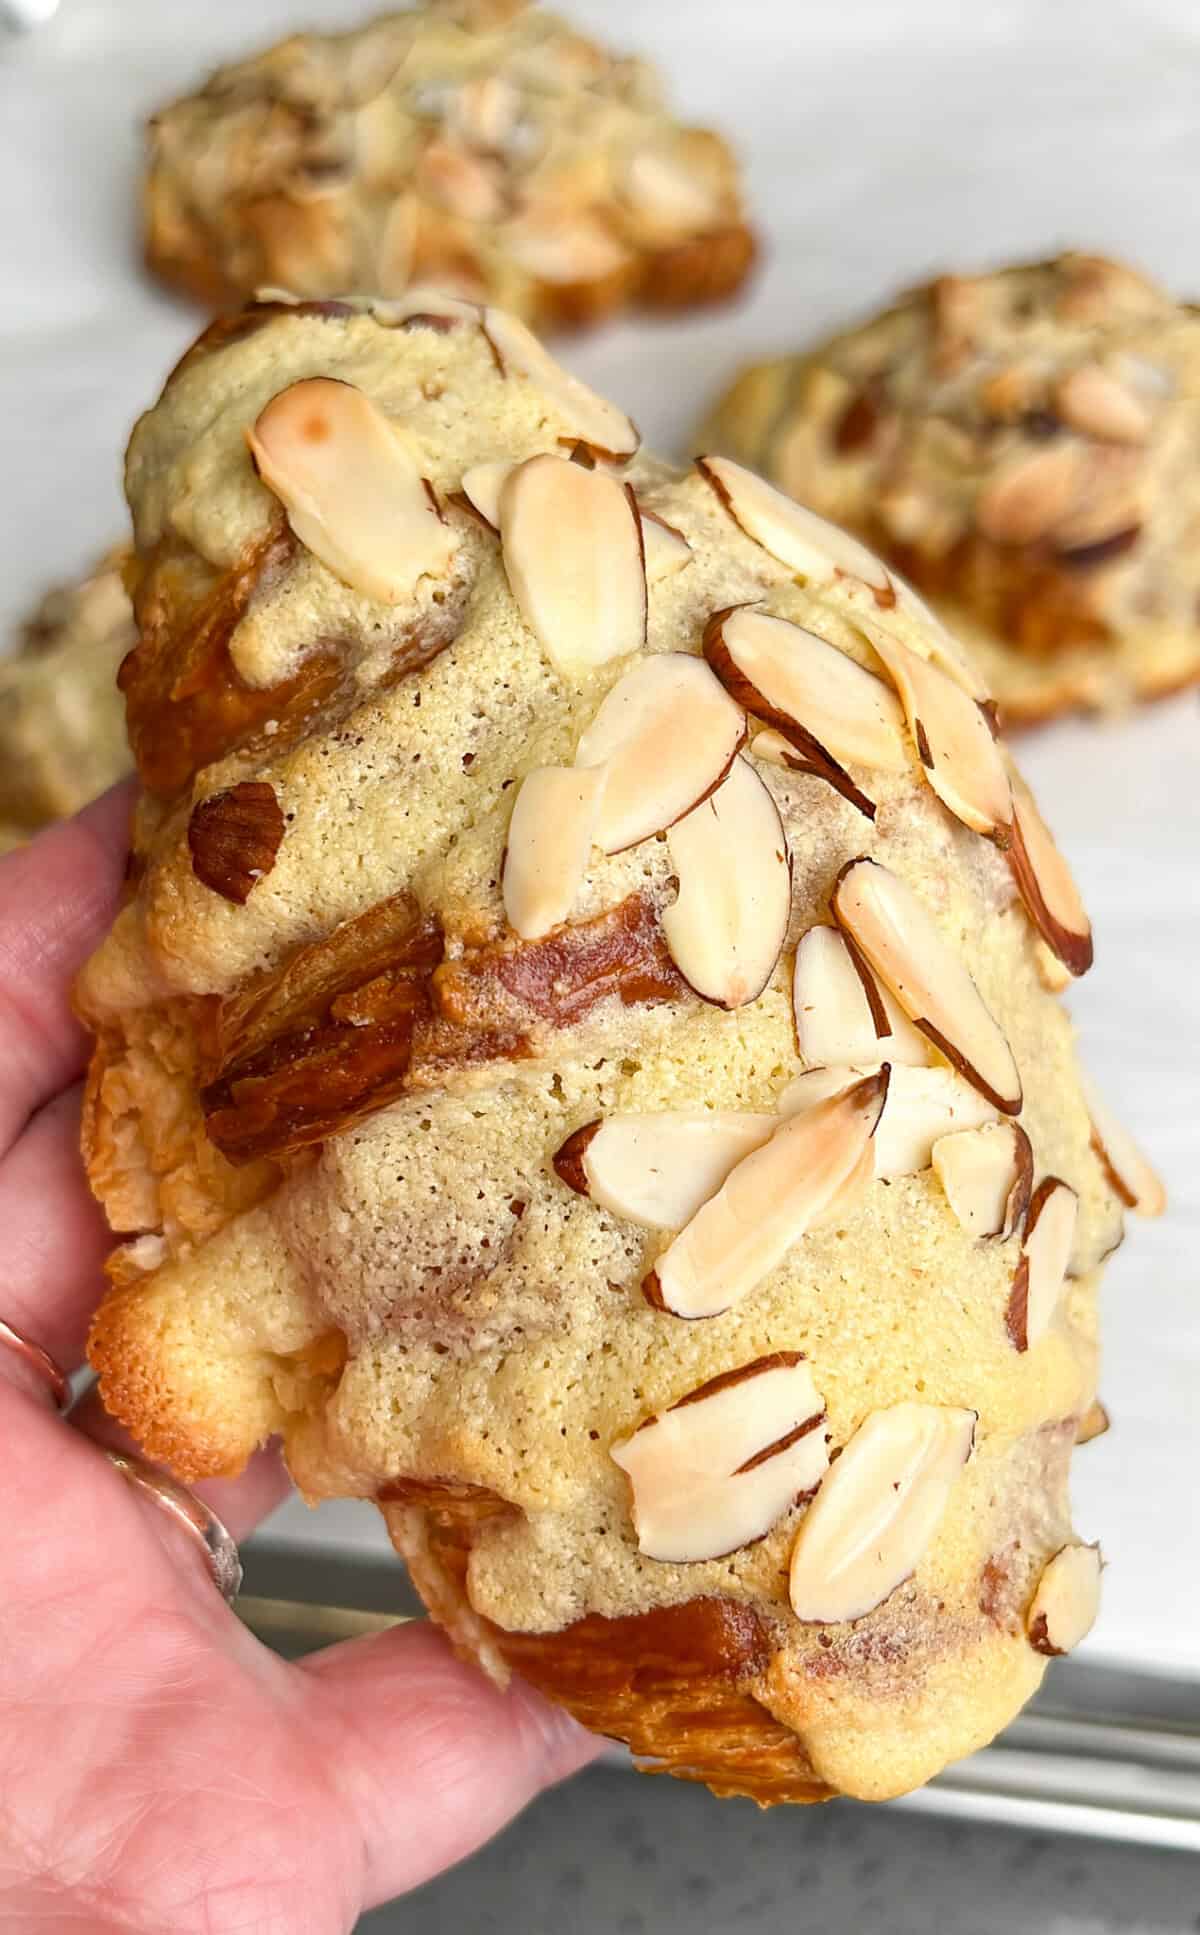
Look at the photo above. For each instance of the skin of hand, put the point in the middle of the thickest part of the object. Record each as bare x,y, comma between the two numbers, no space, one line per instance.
159,1767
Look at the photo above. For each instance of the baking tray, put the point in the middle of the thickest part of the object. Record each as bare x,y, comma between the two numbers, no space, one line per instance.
883,142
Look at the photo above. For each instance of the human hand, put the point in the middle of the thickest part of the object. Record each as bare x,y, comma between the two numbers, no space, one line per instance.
159,1768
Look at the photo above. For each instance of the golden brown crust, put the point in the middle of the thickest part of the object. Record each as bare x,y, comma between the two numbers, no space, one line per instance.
1019,445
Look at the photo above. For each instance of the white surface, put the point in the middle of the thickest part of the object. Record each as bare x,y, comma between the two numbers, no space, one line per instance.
884,140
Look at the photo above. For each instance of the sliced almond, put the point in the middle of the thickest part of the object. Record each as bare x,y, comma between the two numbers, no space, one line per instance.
1030,495
482,485
1045,884
572,543
806,543
726,928
923,1105
878,1509
559,248
1093,1424
1128,1172
667,550
954,742
933,641
820,700
659,1169
662,189
767,1203
1067,1598
719,1468
840,1008
1096,403
588,417
666,735
422,305
891,927
351,486
987,1174
1041,1274
550,839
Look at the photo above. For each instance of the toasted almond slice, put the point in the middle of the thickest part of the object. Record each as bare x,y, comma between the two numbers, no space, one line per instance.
954,742
842,1014
891,927
659,1169
667,550
934,642
1128,1172
1096,403
351,487
767,1203
878,1509
719,1468
662,189
550,839
923,1105
1093,1424
1044,882
482,485
572,543
666,735
806,543
816,697
1067,1598
564,248
726,928
422,304
1041,1274
607,430
987,1174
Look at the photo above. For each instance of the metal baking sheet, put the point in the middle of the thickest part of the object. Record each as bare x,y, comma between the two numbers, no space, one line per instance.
883,142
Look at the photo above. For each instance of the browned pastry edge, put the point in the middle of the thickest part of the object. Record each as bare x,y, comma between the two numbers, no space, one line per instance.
676,1685
703,270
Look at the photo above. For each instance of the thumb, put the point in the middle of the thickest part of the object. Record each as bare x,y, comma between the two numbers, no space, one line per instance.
432,1758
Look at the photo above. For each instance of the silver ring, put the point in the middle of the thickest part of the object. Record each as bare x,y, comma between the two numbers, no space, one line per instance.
196,1518
40,1362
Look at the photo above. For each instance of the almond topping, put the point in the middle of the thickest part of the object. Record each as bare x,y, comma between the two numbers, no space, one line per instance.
717,1470
767,1203
550,840
482,485
1099,405
842,1014
660,1169
1128,1172
666,736
664,190
607,430
878,1509
1042,1272
233,838
560,248
1064,1606
954,742
828,707
987,1174
726,928
351,487
572,545
1029,496
1093,1424
806,543
1045,884
903,945
923,1105
667,550
934,642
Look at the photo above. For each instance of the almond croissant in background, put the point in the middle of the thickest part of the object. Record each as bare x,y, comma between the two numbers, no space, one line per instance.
582,1061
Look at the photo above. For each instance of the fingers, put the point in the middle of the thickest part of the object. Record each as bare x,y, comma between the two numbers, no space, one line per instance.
57,898
432,1758
240,1503
55,1238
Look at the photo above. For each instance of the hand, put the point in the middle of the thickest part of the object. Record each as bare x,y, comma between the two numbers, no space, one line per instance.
159,1768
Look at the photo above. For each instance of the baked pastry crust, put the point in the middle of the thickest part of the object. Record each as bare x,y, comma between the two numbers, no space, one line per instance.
1020,444
338,1067
62,724
477,144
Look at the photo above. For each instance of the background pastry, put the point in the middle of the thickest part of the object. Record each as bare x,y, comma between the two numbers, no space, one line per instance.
62,719
478,144
1022,445
577,1071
